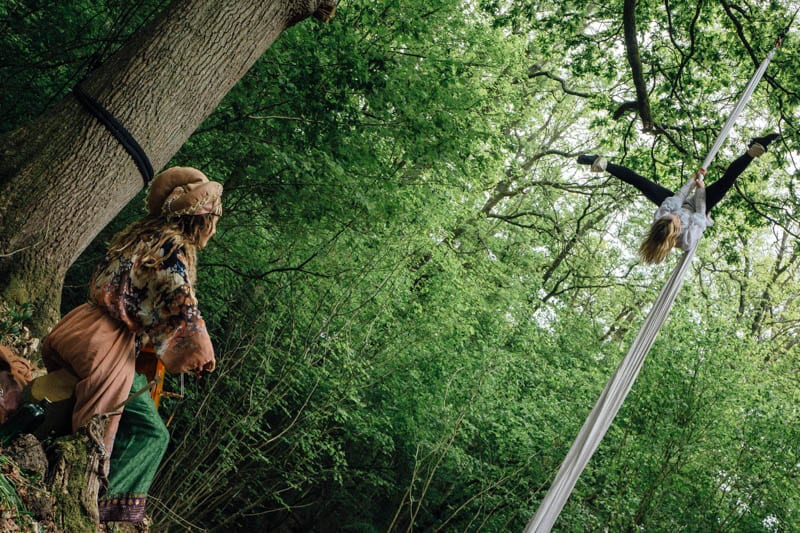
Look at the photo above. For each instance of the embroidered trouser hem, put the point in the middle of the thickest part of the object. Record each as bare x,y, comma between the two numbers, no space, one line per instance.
122,509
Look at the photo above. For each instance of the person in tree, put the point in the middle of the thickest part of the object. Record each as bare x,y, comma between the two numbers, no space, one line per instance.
681,217
142,293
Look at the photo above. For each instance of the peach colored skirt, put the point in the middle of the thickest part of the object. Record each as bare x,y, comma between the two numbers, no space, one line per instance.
100,351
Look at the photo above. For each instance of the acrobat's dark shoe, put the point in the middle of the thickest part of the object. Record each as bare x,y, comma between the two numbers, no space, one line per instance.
764,140
598,164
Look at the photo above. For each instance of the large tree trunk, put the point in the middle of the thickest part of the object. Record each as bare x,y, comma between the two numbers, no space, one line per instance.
64,177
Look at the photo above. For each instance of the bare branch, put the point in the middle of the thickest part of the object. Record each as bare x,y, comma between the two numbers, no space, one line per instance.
755,206
536,71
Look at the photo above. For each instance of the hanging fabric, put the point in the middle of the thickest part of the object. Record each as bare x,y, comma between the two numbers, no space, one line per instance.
618,387
609,403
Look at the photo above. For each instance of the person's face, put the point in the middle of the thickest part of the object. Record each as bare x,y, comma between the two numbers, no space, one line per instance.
212,230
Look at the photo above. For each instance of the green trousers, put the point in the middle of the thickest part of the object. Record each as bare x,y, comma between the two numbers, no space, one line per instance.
139,446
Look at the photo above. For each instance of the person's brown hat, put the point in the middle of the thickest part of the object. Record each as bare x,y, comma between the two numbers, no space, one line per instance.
183,191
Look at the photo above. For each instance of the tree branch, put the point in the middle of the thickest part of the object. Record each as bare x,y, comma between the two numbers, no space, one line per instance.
740,32
536,71
755,206
635,62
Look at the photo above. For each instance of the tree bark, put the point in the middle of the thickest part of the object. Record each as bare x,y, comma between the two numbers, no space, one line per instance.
74,477
63,177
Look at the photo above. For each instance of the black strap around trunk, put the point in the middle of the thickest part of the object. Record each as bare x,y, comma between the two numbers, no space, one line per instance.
118,131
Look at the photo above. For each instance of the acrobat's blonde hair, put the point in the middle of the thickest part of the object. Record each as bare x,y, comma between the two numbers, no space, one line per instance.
661,238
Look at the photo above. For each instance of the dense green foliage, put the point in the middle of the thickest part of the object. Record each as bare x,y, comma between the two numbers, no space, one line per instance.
416,295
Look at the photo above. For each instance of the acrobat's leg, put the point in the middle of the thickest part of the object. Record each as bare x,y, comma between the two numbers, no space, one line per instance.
651,190
717,190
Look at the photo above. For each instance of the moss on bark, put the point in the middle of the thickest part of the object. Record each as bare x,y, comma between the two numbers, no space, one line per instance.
76,463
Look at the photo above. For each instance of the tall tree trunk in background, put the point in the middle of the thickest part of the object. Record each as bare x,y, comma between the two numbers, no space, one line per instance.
63,177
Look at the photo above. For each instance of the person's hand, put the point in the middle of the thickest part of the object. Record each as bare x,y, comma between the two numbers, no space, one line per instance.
208,367
698,181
